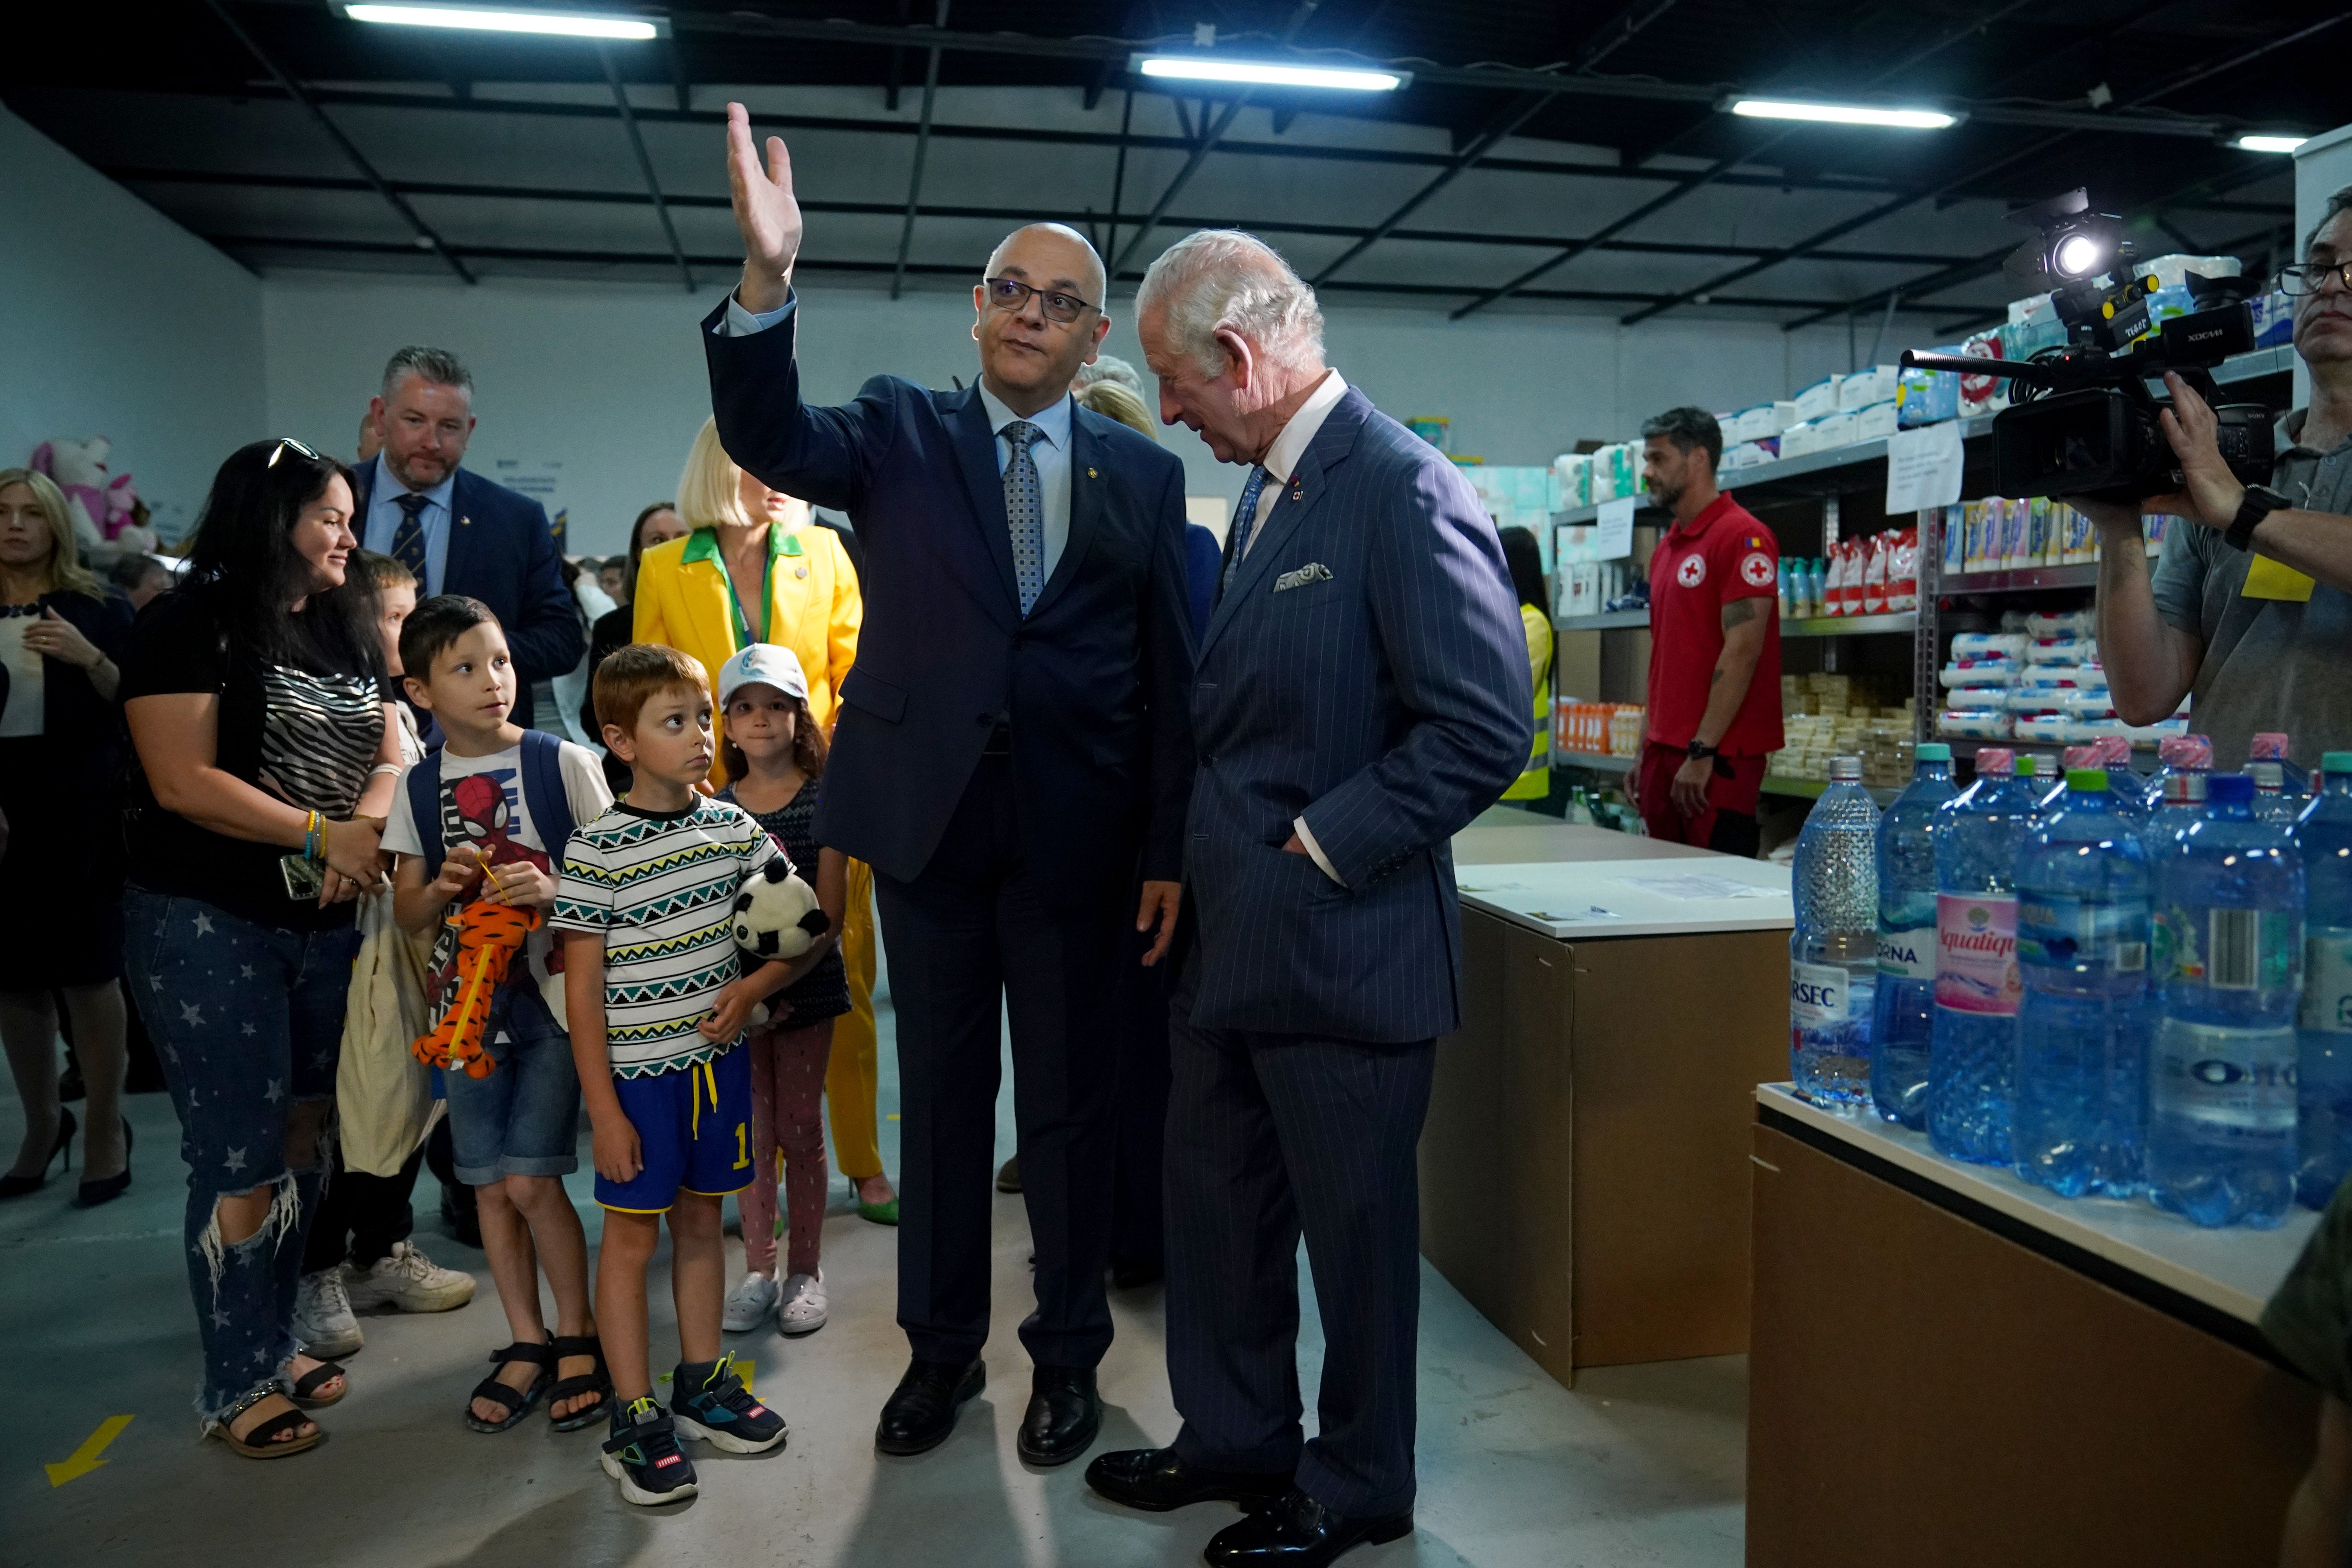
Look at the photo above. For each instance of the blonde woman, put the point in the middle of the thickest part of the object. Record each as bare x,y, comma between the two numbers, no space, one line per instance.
59,634
754,567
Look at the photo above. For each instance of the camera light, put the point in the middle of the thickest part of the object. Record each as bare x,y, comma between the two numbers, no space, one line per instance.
487,19
1266,73
2078,255
2269,143
1844,114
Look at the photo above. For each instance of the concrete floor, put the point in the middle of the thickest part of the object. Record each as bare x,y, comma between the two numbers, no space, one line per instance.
1638,1465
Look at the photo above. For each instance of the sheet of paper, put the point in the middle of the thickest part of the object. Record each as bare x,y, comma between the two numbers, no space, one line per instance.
1616,532
1923,468
1694,885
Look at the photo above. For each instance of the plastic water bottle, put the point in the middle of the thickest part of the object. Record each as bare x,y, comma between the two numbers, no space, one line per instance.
1904,1021
2049,785
2184,803
2322,1128
1834,952
2082,954
2178,756
2271,747
1971,1064
2228,954
2271,803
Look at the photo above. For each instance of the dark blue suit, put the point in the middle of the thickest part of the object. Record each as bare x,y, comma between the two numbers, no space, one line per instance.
1365,668
1004,777
502,551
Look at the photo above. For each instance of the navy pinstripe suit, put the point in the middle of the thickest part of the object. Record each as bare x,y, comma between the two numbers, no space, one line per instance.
1366,668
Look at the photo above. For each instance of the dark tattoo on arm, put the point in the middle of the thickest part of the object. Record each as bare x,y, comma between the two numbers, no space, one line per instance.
1715,677
1739,612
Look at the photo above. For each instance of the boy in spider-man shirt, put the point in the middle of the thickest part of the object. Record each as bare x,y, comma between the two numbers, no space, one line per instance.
478,820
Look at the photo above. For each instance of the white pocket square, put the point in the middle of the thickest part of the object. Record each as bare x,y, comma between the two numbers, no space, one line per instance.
1312,572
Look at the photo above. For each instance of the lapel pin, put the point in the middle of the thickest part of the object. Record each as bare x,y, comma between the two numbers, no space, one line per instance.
464,522
1091,474
799,571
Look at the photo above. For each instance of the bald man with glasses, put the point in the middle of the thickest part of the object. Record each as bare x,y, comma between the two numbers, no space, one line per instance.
1012,750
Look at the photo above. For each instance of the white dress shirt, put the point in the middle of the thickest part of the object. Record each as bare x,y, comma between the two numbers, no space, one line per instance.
1050,452
383,522
1281,462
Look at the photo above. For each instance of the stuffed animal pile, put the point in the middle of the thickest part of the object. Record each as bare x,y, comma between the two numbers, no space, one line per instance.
105,509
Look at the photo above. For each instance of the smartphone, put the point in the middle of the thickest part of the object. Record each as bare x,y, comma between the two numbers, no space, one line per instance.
305,878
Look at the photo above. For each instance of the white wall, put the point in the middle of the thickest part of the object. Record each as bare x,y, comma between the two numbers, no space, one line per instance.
609,380
119,323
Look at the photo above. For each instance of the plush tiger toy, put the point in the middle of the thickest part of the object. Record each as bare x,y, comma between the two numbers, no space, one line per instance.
490,935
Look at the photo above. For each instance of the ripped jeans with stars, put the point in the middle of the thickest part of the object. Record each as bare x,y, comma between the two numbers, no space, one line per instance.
247,1020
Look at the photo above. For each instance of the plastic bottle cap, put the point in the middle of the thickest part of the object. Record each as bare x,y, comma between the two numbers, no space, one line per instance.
1996,760
2087,780
2045,767
1936,752
2184,788
1845,769
2230,789
2331,762
2268,746
2267,776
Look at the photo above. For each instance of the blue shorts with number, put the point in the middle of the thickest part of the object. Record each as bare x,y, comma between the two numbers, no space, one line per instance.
694,1134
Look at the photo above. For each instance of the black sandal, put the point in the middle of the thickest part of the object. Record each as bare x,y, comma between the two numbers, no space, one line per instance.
516,1405
599,1383
261,1442
307,1386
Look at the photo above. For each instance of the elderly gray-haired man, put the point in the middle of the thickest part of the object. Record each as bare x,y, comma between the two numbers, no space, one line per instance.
1362,693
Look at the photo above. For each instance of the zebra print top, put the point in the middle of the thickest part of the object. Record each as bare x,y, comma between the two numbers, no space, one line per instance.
318,737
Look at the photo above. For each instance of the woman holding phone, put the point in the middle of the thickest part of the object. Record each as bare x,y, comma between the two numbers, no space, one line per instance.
267,760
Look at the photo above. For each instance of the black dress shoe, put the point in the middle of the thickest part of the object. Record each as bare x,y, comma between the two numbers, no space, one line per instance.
1157,1480
1065,1415
1299,1532
921,1412
1135,1273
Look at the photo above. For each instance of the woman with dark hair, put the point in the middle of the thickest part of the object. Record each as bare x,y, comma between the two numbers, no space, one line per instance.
267,758
1524,558
62,881
657,525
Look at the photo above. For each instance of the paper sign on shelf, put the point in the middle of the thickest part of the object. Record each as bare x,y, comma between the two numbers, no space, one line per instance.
1923,468
1615,539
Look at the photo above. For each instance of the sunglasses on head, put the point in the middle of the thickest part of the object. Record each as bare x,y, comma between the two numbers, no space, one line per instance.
284,443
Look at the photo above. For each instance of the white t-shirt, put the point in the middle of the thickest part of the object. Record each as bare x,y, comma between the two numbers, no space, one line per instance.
27,679
494,816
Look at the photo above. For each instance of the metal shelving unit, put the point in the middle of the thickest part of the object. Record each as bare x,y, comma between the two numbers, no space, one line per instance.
1811,789
1599,761
1903,622
1614,621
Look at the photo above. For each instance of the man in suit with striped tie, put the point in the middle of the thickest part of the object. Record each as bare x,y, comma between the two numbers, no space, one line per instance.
1362,693
1011,750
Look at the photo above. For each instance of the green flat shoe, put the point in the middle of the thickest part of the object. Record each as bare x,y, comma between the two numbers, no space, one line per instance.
880,1213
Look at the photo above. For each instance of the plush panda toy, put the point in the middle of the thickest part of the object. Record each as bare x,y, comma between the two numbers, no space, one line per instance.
776,914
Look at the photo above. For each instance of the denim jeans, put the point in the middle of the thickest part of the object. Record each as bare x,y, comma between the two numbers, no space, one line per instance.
248,1021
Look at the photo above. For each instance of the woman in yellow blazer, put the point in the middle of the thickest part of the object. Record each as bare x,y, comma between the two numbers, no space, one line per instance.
1524,558
756,568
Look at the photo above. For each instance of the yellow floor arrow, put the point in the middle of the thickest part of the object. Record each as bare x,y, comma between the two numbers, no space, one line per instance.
85,1459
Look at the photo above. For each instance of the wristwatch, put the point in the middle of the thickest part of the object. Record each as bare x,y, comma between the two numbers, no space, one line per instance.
2260,502
1699,749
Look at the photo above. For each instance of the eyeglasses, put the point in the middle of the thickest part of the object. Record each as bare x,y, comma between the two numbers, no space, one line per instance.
2313,276
283,443
1012,294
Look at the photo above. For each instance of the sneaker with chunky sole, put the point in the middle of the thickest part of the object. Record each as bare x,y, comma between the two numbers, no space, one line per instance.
802,1308
407,1281
644,1456
749,1304
709,1402
323,1324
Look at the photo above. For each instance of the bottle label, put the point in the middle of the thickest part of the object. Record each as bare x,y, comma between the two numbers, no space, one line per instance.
2328,982
1976,954
1820,996
1909,952
2229,950
2057,932
2241,1081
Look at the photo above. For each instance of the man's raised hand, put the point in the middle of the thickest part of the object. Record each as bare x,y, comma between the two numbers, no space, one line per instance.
766,213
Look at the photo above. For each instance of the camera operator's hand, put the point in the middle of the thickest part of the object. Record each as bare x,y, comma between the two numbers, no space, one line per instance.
2214,494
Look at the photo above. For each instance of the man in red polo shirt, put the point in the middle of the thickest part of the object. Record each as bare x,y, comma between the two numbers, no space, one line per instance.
1715,647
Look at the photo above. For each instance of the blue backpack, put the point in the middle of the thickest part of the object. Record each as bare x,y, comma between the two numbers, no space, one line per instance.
542,795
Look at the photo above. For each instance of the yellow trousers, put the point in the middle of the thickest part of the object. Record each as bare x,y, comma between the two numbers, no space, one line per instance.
849,1074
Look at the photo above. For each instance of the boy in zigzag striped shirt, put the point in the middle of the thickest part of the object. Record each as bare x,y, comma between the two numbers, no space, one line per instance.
657,1000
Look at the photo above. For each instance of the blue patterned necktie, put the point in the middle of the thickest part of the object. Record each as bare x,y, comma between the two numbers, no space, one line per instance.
408,538
1025,511
1245,521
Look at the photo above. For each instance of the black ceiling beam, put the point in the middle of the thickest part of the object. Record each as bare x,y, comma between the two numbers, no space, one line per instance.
644,164
1554,168
425,238
882,269
129,174
922,150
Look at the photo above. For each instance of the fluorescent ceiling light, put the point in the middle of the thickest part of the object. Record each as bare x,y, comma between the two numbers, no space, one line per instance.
1844,114
1196,68
2270,143
485,19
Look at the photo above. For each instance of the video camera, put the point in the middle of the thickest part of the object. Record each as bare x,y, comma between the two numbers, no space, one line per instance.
2082,421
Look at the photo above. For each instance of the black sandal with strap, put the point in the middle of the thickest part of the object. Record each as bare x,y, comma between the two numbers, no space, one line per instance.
262,1442
516,1404
306,1386
599,1383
